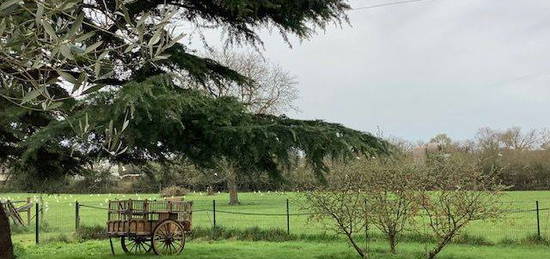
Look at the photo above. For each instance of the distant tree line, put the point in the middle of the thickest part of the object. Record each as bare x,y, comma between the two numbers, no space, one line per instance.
523,156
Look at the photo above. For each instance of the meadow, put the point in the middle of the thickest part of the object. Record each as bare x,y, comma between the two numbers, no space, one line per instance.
267,211
282,250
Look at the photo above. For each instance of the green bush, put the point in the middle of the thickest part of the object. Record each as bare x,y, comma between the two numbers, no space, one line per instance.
91,232
18,229
472,240
535,240
46,227
59,238
18,250
249,234
508,241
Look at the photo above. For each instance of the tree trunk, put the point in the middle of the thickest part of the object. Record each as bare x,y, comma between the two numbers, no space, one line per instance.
393,244
444,242
362,253
230,172
232,186
435,251
6,247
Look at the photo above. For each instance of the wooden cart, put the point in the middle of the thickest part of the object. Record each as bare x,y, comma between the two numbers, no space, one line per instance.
145,226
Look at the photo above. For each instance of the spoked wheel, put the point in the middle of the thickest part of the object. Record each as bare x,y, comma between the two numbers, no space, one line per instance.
168,238
136,245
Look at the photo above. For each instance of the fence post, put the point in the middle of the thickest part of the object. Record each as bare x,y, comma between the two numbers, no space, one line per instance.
538,220
29,212
214,211
37,225
77,216
287,217
366,229
41,208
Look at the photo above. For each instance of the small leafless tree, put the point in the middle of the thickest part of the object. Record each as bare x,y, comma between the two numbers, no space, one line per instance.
544,138
341,204
488,140
457,192
514,138
272,90
510,139
392,190
383,192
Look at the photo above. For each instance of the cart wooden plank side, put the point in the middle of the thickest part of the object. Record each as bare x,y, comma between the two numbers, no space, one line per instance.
145,226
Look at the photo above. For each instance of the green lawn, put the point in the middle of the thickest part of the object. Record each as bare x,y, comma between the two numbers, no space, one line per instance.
283,250
59,216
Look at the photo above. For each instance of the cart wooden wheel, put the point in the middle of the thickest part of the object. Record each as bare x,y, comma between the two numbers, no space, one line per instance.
168,238
135,245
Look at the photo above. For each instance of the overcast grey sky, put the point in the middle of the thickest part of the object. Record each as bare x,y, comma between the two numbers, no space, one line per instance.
418,69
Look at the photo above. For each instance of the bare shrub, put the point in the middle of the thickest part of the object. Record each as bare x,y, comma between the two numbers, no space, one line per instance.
383,192
392,193
457,192
340,205
173,191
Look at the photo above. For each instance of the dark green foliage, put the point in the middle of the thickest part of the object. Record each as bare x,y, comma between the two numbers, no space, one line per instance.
243,18
239,19
168,121
280,235
201,70
249,234
47,228
19,250
92,181
477,240
19,229
523,169
84,233
41,167
535,239
58,238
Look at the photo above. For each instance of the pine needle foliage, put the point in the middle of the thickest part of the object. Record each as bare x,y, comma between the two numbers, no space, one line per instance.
168,121
124,104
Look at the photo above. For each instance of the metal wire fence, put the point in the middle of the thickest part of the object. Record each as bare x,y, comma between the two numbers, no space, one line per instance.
47,220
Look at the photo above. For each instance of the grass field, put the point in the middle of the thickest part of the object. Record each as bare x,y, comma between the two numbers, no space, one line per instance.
283,250
59,215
